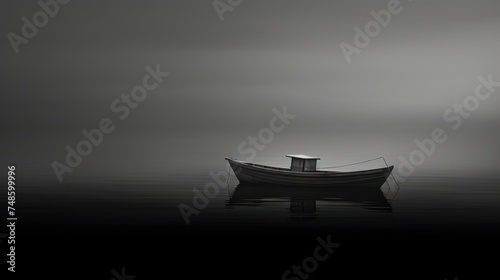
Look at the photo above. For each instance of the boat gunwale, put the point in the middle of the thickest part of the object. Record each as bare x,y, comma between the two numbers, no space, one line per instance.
282,170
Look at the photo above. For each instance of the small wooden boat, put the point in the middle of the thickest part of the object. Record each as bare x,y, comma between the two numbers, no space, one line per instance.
303,172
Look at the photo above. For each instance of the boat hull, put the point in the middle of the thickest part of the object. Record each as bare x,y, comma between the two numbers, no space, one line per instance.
260,174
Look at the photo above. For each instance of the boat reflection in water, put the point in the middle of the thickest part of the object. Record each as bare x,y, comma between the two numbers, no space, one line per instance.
304,200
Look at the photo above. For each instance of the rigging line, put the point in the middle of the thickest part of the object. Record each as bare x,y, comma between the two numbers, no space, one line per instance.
352,163
228,178
392,175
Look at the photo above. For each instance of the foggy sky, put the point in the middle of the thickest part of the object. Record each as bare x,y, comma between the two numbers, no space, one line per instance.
227,76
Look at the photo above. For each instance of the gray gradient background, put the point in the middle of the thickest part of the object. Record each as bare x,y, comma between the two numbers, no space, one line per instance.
227,76
119,208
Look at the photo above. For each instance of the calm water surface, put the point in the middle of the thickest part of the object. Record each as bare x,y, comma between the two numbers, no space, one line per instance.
434,226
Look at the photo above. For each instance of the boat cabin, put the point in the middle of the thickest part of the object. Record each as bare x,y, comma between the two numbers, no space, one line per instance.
303,163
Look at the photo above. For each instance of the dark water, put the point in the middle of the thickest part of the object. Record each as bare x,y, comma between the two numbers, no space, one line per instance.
434,227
